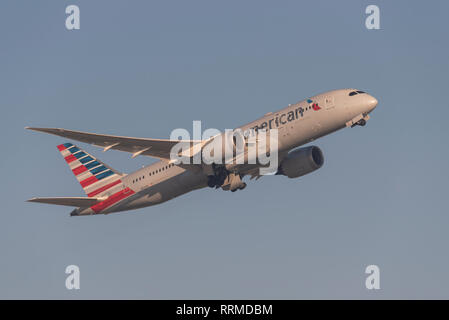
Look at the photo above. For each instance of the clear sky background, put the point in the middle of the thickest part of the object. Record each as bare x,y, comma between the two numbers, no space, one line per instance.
143,68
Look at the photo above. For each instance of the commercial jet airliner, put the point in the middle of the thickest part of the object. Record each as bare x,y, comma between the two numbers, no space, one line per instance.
110,191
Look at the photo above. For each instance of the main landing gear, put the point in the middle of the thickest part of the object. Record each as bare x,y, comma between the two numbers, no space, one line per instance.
219,177
225,179
240,187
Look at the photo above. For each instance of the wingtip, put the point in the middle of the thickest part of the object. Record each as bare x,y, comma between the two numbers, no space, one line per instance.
32,128
45,130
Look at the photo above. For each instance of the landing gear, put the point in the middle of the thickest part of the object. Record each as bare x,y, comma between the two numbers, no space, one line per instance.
241,187
211,181
359,120
225,179
218,178
361,123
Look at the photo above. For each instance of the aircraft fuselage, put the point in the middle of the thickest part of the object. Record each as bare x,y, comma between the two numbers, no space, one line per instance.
297,124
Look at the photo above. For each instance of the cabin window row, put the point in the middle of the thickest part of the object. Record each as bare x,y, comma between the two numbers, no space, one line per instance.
154,172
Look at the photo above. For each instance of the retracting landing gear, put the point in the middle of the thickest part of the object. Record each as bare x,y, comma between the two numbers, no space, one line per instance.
225,179
218,178
359,120
233,182
241,187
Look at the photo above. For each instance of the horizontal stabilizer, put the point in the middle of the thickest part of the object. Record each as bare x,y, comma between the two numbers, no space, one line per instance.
68,201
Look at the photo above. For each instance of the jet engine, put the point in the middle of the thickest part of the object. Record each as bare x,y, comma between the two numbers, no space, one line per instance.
301,161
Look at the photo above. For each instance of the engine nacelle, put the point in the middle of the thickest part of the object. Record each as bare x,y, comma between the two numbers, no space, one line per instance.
301,161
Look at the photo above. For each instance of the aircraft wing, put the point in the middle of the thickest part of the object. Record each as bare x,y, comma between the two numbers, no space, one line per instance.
156,148
68,201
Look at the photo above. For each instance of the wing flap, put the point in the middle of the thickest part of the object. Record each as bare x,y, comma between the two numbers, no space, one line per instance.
68,201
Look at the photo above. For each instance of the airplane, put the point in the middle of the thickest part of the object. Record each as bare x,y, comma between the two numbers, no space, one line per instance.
297,124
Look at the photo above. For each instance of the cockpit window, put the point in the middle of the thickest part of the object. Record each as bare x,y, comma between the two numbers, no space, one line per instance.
358,91
352,93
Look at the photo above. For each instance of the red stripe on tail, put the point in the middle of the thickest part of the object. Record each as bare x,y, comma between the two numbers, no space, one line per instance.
79,170
103,188
88,181
70,158
116,197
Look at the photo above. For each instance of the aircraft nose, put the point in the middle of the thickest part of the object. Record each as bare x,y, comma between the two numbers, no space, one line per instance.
372,103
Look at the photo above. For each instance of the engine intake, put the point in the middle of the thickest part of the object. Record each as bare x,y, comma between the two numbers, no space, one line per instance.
301,161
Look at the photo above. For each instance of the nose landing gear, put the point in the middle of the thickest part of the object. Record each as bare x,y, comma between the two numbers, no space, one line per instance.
359,120
361,123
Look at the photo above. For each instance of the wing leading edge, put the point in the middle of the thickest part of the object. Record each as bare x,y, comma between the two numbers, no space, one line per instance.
156,148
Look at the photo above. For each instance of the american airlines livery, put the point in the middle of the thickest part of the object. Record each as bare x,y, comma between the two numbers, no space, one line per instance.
268,145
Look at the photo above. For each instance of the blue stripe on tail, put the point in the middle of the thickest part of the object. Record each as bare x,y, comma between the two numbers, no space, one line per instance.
86,159
92,164
104,174
98,169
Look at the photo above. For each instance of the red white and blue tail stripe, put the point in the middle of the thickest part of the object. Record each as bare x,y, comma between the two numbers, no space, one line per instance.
95,177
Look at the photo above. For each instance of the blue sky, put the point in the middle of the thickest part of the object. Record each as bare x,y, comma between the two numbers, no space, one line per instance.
144,68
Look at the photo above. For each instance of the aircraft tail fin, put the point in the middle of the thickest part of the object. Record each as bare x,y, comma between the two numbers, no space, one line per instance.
95,177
